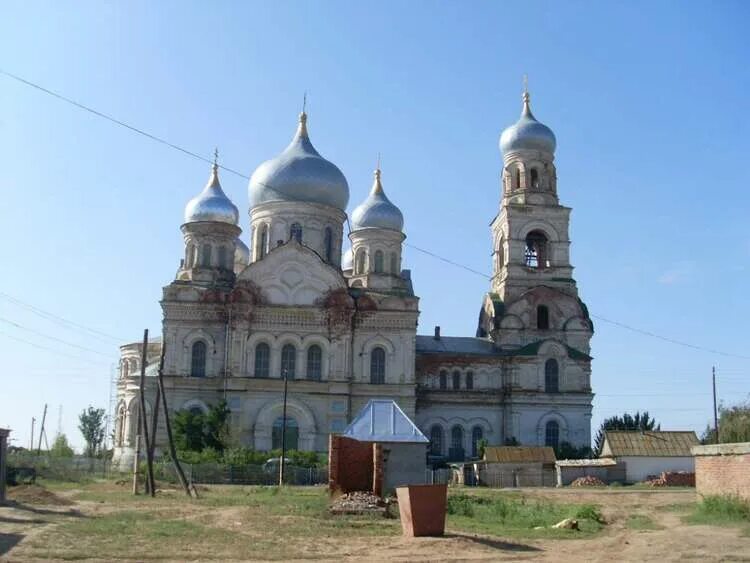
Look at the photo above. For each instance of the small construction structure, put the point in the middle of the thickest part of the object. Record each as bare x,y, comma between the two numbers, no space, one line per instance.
647,454
723,469
516,466
380,450
607,470
4,433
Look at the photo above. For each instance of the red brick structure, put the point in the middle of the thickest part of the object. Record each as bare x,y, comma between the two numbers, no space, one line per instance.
354,466
723,469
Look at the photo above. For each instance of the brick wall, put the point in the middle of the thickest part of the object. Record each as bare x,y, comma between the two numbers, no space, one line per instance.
723,469
354,465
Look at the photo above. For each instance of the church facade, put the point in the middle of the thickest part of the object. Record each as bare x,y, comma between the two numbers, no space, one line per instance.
341,327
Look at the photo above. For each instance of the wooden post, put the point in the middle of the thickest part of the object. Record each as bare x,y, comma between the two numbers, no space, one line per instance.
144,420
155,421
716,414
41,430
135,462
178,468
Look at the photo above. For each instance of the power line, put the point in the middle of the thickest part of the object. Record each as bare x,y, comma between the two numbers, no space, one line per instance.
59,320
427,252
116,121
35,345
54,338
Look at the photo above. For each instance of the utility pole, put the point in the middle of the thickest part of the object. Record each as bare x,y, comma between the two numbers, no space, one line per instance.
144,419
716,414
41,430
31,440
284,374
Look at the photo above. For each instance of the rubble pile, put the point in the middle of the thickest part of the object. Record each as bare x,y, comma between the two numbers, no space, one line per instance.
358,502
672,479
588,481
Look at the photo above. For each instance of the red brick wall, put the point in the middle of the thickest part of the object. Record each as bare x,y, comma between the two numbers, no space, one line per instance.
723,474
350,465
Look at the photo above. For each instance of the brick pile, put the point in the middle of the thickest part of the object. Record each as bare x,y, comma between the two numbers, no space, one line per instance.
588,481
672,479
359,502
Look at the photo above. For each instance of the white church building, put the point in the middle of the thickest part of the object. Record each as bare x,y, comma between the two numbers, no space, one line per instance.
239,317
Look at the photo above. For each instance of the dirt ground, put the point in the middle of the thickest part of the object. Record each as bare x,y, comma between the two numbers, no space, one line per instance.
671,540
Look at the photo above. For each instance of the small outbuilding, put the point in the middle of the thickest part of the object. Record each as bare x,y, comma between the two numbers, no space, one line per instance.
517,466
380,450
606,470
647,454
723,469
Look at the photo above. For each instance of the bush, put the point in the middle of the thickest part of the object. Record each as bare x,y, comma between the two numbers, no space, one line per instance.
723,508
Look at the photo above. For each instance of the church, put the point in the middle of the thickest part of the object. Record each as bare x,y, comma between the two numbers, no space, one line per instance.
285,300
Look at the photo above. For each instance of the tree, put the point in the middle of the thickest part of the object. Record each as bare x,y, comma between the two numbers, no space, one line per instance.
566,450
91,424
61,447
196,431
637,422
734,425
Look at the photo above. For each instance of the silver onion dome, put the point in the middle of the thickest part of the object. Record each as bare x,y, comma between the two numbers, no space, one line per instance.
377,211
212,204
241,256
299,174
347,261
527,133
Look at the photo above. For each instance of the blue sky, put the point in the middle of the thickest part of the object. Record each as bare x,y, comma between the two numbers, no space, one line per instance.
648,101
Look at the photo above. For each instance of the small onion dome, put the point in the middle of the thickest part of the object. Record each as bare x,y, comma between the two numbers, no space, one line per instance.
377,211
299,174
347,261
527,133
241,255
212,204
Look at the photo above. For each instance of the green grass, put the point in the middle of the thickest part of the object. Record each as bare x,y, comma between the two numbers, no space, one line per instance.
508,515
720,510
641,522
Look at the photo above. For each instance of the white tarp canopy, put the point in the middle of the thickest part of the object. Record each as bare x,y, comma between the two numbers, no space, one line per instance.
382,420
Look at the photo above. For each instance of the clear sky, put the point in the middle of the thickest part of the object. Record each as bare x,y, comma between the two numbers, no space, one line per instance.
648,99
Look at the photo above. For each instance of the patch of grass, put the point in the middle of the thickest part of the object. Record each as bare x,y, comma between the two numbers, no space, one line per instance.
500,514
720,510
641,522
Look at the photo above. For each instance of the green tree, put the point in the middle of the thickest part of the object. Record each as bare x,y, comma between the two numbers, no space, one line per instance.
61,447
734,425
638,421
566,450
91,424
195,431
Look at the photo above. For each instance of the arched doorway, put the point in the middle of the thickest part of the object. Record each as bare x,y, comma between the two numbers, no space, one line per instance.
292,433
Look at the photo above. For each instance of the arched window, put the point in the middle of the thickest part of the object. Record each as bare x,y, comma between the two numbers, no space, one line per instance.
436,440
262,360
359,265
190,260
394,263
291,440
457,443
476,435
222,257
378,261
314,362
534,178
552,434
328,244
443,380
470,380
124,367
263,244
456,380
198,359
120,432
542,317
536,250
206,256
295,232
377,365
288,360
499,255
551,376
517,179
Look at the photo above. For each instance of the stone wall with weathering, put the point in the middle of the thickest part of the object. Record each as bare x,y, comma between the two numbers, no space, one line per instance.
723,469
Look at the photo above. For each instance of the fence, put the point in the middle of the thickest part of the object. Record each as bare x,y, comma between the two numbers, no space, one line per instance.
497,478
25,467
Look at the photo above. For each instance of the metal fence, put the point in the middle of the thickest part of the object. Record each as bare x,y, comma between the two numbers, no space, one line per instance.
25,467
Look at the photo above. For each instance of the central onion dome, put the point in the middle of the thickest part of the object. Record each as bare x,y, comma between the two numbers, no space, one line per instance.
527,133
299,174
377,211
212,204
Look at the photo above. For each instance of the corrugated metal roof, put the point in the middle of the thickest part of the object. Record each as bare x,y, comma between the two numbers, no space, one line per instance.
382,420
598,462
619,443
519,454
456,345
